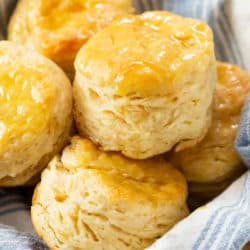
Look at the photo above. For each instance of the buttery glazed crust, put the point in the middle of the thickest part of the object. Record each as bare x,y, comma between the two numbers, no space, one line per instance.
59,28
215,160
89,199
145,84
36,113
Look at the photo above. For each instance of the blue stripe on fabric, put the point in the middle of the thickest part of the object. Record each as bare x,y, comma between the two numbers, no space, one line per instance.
230,213
243,235
218,219
233,228
229,242
215,215
237,218
242,142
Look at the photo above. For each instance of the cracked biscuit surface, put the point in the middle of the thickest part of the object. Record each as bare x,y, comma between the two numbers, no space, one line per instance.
59,28
145,84
89,199
35,113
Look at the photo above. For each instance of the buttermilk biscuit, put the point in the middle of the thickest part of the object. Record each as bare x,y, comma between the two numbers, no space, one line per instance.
214,160
89,199
59,28
35,108
145,84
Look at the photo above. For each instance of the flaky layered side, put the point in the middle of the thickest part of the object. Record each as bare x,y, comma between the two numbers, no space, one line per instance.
89,199
58,29
36,113
145,84
214,160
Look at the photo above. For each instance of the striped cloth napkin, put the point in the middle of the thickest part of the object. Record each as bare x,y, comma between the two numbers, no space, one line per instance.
224,223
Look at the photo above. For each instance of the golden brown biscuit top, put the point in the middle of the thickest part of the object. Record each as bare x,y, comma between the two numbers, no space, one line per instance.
60,28
146,54
232,88
27,93
123,177
55,14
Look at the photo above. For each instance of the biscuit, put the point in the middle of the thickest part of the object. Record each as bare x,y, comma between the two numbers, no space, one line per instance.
58,29
36,113
90,199
215,160
145,84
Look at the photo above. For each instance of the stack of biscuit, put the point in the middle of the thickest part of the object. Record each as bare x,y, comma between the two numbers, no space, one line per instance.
152,109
